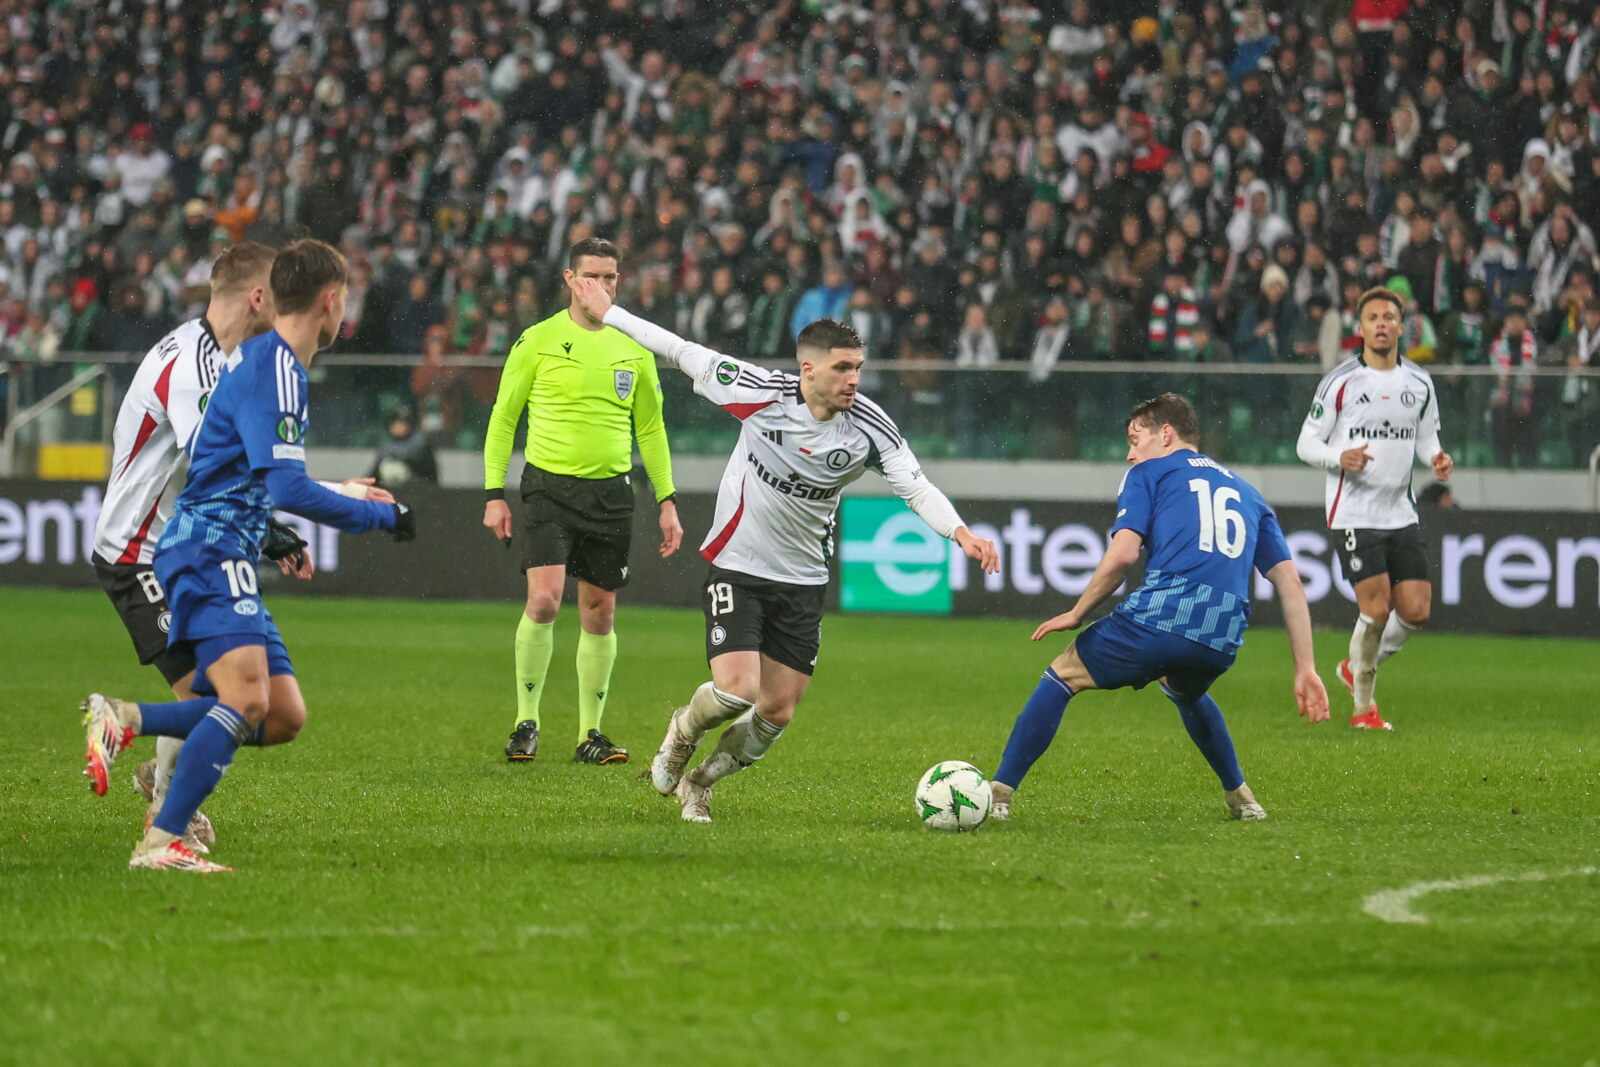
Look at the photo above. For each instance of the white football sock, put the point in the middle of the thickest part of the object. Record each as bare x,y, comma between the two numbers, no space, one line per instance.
1395,633
167,749
739,746
1364,642
709,708
761,736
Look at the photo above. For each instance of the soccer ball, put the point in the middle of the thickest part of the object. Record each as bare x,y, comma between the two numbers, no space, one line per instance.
953,796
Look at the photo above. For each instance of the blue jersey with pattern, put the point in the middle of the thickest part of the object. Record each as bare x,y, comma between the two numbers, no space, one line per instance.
1205,530
255,421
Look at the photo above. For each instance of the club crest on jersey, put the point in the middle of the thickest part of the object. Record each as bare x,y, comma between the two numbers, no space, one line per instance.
205,398
726,373
1408,398
164,622
1316,410
623,380
838,459
246,607
289,430
718,635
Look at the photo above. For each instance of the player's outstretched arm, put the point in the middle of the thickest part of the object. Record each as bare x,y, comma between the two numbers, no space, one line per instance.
1121,553
693,359
1309,693
294,492
900,469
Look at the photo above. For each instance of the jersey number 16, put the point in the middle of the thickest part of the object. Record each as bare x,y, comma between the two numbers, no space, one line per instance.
1221,527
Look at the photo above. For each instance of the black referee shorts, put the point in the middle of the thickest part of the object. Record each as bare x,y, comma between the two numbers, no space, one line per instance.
583,524
1398,553
142,606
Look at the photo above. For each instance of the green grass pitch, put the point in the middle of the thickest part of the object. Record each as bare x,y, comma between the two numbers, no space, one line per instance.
404,895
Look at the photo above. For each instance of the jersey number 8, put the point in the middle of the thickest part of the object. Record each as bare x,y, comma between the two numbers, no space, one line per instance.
241,577
1221,527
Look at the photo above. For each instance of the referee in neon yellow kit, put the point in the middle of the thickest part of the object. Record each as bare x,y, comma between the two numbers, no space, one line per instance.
589,389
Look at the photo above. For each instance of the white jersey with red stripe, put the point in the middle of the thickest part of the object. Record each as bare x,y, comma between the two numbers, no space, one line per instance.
780,489
155,424
1395,413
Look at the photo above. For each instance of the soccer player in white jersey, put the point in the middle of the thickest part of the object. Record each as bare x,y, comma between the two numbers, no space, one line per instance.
803,438
158,417
1372,418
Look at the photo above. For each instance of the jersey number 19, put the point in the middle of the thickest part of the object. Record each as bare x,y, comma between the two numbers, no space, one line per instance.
1221,527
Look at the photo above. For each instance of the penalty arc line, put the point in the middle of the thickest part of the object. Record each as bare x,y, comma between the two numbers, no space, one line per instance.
1394,905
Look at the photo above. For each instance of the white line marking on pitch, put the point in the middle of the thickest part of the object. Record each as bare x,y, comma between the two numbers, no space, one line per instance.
1394,905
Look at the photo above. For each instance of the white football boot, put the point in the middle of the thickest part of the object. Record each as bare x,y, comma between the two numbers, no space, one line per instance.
696,799
666,768
1242,804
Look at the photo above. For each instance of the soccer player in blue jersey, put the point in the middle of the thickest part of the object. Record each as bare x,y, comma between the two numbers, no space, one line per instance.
1205,529
247,458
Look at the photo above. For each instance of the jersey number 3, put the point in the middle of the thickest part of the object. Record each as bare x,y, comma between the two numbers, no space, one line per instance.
1221,527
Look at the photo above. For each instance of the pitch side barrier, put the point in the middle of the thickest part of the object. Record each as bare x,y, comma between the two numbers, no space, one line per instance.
1494,572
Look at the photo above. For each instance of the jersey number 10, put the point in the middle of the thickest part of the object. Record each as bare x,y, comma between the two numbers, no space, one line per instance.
241,577
1221,527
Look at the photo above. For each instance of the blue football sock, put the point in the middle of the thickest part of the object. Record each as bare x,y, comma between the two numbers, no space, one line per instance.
174,718
1035,728
1203,719
206,754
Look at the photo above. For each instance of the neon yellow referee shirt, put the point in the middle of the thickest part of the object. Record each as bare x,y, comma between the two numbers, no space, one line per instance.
588,393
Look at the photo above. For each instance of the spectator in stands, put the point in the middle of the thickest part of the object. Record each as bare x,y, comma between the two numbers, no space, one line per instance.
827,301
411,316
769,317
405,455
438,383
1514,353
1174,316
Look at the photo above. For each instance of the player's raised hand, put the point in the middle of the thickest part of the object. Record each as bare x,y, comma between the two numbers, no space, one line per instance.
591,296
1311,695
366,489
497,517
671,529
1355,459
979,548
1443,466
1067,620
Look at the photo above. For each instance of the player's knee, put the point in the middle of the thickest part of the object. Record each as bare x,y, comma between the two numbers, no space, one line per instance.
254,707
777,714
1376,615
1415,614
542,607
284,723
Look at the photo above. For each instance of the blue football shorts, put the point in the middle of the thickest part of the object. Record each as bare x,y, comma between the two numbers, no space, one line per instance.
1119,654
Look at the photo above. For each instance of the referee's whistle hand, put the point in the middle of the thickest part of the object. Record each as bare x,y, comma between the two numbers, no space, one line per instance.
671,529
497,517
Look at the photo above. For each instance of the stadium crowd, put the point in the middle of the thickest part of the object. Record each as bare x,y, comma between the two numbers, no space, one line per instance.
962,180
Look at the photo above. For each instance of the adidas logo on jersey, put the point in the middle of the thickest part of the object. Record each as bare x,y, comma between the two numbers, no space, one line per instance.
775,436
